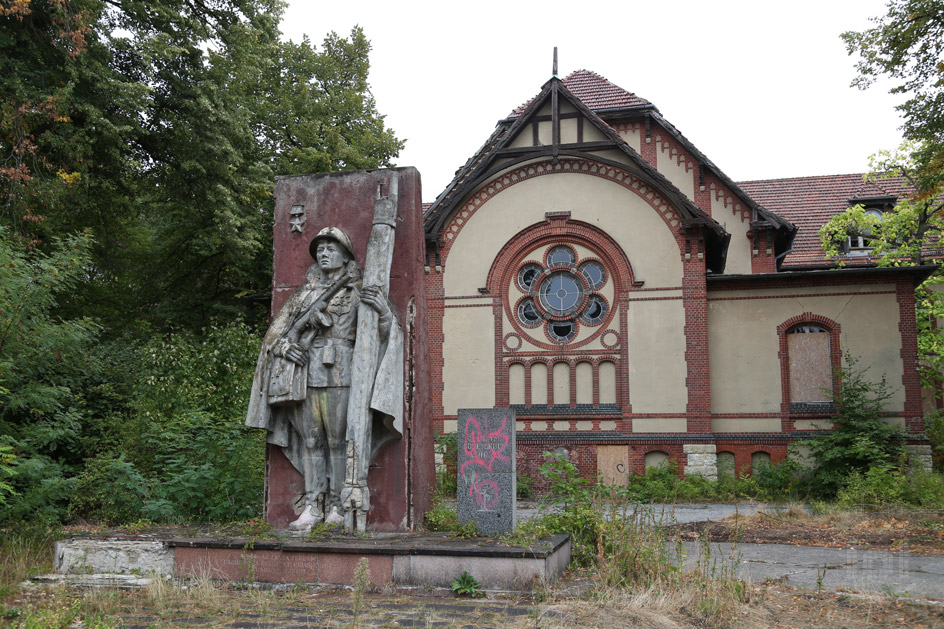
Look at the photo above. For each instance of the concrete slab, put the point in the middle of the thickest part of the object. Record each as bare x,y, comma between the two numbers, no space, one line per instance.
427,560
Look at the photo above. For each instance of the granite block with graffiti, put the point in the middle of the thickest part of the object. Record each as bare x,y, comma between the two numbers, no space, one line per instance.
486,468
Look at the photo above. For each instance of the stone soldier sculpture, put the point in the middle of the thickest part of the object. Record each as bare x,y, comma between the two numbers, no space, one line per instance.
332,333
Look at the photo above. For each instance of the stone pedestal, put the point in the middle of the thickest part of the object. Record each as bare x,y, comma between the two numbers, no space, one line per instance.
701,459
487,484
401,477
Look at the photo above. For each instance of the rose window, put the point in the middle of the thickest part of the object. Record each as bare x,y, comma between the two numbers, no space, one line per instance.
561,293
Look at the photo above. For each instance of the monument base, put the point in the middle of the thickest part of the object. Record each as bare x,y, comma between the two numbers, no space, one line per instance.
425,560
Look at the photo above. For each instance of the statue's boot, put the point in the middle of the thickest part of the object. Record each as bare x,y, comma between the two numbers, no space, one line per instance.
334,516
309,517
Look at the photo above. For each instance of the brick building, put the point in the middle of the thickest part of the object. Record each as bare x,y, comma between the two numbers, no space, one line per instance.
591,268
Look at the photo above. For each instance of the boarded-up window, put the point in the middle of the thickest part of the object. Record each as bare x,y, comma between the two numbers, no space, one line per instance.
810,364
759,459
613,464
656,458
726,464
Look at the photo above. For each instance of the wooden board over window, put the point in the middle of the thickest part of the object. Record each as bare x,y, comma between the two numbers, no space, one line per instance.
810,365
613,464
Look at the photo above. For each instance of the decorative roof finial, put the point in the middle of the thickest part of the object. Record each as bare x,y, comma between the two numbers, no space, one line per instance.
554,72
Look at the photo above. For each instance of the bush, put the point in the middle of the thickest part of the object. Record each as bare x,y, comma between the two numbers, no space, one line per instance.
109,490
859,439
934,429
876,488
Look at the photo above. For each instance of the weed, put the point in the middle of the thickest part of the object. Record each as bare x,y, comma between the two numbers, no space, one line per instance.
360,585
466,585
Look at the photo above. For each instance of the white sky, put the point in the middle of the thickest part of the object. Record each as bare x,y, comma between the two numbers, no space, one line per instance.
760,87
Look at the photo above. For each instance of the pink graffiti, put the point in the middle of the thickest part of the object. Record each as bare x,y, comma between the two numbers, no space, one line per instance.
475,447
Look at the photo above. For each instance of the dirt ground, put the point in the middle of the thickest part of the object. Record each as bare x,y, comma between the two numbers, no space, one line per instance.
579,599
916,532
768,605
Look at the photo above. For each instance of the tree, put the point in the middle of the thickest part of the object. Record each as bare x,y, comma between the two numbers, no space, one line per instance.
906,45
159,126
860,439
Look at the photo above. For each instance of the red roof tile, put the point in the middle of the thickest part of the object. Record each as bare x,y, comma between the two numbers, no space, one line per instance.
809,202
596,93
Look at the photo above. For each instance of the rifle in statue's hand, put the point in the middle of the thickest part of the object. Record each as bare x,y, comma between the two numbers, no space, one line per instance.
288,378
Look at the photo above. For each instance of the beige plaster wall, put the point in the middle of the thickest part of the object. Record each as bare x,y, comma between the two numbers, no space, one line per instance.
657,367
632,222
744,346
633,139
745,424
468,364
668,164
739,249
659,424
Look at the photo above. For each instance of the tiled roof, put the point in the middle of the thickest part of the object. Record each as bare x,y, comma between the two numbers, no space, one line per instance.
595,92
809,202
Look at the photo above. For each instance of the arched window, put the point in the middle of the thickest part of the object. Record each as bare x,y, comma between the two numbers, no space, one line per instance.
656,458
810,356
811,366
759,460
726,464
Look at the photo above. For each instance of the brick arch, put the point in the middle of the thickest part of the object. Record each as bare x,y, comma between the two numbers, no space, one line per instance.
626,179
835,357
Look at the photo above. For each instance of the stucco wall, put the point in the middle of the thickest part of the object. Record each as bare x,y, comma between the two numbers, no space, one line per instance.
469,372
657,368
628,219
744,345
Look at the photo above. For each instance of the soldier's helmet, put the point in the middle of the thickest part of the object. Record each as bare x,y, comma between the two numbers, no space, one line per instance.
332,233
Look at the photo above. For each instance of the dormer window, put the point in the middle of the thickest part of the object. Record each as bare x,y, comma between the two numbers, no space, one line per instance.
860,241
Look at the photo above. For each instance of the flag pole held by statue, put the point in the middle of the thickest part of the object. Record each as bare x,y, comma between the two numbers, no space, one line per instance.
355,498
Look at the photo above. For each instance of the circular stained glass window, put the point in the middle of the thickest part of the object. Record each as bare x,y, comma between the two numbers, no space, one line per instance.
594,272
527,276
561,293
528,314
561,331
594,312
560,256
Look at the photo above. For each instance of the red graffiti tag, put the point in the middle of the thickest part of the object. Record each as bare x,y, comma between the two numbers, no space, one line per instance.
475,447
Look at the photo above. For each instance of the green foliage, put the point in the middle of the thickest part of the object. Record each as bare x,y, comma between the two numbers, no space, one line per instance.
906,45
934,429
466,585
881,487
110,489
524,486
447,447
44,364
860,439
159,126
152,132
442,518
876,488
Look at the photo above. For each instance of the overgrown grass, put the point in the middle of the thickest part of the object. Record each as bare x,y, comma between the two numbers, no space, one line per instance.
624,542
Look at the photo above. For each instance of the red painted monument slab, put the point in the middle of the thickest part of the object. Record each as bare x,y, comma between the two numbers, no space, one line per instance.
383,207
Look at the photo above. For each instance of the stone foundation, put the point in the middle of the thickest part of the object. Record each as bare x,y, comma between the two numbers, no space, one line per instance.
701,459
